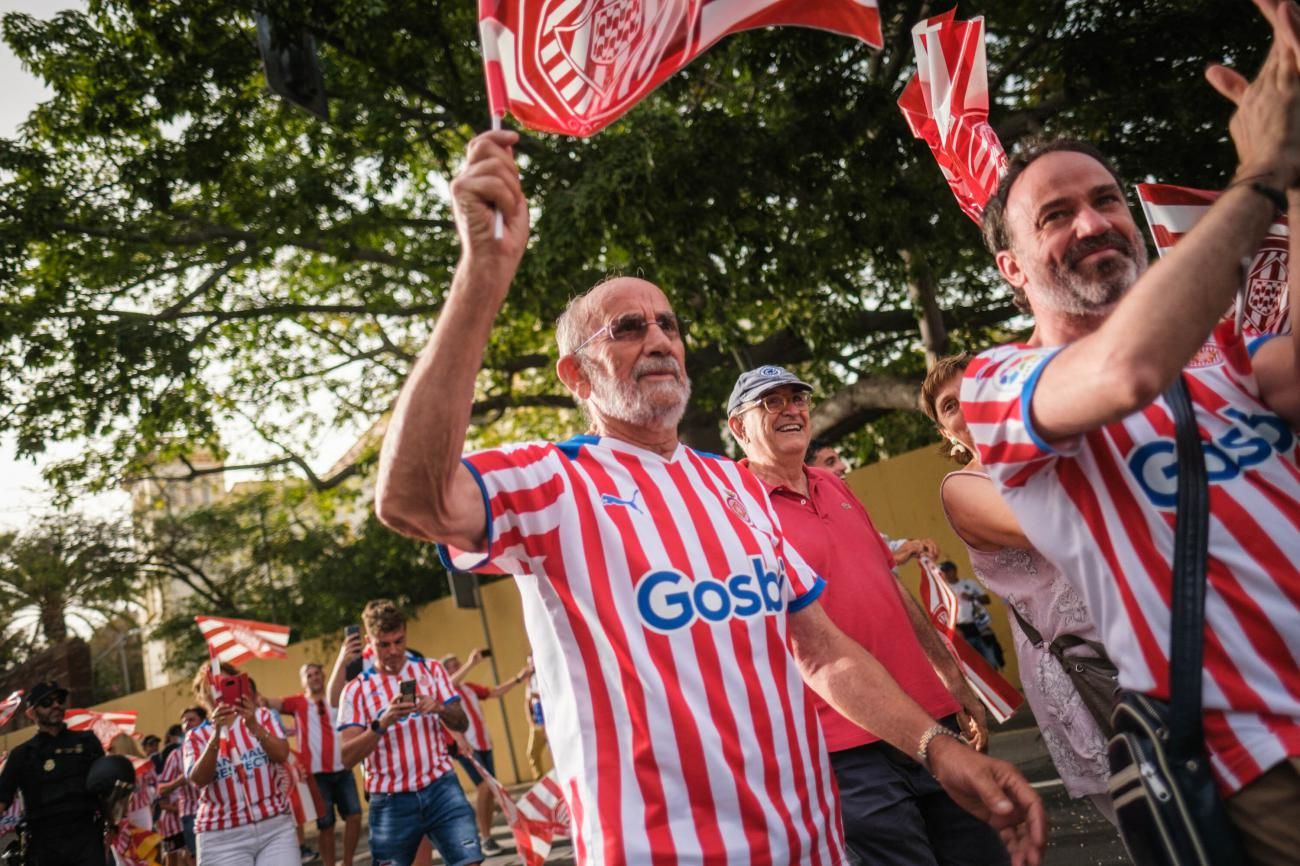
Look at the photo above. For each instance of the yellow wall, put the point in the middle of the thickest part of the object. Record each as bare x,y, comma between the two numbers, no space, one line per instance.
440,628
902,495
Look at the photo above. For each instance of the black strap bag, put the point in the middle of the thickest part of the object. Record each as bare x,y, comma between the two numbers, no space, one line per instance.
1094,676
1168,808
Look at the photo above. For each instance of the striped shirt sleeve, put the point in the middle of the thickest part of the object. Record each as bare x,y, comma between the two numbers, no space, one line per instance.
996,397
354,712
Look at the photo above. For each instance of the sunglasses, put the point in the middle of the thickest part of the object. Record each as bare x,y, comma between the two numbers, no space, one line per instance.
776,403
47,702
633,326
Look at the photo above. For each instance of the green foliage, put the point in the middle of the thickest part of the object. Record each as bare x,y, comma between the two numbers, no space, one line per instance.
281,554
181,253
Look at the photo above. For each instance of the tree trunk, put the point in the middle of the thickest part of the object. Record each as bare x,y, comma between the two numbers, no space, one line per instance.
920,289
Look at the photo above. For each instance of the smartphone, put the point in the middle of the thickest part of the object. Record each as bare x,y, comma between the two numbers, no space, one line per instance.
232,687
485,653
407,689
351,631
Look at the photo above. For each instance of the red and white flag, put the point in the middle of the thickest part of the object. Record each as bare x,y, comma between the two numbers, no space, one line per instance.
300,787
574,66
10,706
1171,212
105,726
947,105
999,696
539,817
235,641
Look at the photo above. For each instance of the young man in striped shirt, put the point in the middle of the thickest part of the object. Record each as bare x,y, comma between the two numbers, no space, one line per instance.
395,716
1073,428
315,715
477,738
672,625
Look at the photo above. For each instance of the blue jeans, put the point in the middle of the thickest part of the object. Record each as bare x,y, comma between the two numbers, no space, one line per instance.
439,810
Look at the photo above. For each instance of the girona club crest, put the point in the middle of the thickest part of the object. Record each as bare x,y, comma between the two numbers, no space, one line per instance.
1266,289
598,54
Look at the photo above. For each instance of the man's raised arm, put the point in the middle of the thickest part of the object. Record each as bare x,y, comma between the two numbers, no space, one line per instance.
423,490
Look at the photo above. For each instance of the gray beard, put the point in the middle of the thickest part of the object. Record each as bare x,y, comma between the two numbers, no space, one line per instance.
1074,293
662,405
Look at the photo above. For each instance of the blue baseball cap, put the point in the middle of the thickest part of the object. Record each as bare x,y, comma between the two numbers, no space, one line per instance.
755,383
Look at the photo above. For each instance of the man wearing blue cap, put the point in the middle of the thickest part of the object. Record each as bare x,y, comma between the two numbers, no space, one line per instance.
50,769
895,813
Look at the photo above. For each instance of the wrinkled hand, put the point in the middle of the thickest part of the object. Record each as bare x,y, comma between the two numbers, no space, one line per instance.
487,183
972,718
995,792
1266,125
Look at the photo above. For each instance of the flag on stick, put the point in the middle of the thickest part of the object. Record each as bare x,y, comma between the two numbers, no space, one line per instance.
946,104
574,66
10,706
235,641
539,817
1171,211
999,696
105,726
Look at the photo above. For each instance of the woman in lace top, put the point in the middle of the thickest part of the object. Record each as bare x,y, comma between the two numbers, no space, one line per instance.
1004,561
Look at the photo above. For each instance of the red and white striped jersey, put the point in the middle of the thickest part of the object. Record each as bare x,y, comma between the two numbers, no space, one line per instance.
146,791
655,594
413,752
1101,507
185,797
477,733
246,788
314,725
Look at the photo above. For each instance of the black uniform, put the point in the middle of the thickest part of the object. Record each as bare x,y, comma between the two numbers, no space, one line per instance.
63,820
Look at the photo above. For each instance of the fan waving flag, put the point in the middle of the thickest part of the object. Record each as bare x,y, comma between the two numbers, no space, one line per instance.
946,104
10,706
999,696
235,641
105,726
574,66
1171,211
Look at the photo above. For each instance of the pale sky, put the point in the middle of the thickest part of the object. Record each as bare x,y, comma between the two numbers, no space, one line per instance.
23,493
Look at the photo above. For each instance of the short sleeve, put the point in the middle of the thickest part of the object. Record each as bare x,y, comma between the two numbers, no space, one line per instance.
518,485
996,395
353,709
190,751
293,704
271,721
481,691
442,688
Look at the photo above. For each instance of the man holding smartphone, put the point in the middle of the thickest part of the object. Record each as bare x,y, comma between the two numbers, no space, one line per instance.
395,716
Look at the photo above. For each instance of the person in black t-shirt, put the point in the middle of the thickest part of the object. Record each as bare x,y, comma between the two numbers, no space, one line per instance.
63,823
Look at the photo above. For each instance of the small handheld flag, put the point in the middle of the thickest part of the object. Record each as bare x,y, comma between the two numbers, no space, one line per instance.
946,104
999,696
105,726
10,706
574,66
235,641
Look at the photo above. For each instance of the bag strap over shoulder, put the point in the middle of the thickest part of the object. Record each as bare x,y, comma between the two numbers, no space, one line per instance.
1060,643
1187,613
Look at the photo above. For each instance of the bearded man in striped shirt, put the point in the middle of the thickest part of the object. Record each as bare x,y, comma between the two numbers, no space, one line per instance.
672,626
1072,427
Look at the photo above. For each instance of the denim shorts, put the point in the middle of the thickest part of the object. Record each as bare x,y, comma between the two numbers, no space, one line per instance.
485,760
336,790
439,810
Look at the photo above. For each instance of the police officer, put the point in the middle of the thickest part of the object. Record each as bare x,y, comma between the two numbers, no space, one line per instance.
63,823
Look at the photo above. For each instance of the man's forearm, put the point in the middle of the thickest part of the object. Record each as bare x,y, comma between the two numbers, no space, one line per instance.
931,644
422,446
453,716
357,744
851,680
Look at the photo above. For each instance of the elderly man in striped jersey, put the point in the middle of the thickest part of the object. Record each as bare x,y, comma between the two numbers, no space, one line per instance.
1072,427
672,626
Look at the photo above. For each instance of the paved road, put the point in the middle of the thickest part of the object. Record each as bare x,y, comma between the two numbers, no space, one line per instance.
1079,835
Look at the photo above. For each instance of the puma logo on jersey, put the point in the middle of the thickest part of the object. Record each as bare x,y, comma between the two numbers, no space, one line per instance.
608,499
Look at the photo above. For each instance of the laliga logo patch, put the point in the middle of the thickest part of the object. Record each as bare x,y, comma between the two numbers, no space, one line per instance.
669,601
1013,375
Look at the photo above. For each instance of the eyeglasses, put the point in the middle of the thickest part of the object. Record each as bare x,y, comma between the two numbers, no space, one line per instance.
633,326
49,701
775,403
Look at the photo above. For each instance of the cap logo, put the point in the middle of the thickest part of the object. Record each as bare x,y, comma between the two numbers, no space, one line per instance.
771,371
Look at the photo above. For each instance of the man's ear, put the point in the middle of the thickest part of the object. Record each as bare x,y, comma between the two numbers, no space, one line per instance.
573,377
736,425
30,713
1009,267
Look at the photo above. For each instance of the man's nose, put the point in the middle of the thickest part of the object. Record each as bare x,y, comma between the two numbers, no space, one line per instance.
1089,222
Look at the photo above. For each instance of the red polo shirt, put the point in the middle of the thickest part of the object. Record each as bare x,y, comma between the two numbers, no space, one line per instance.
833,532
